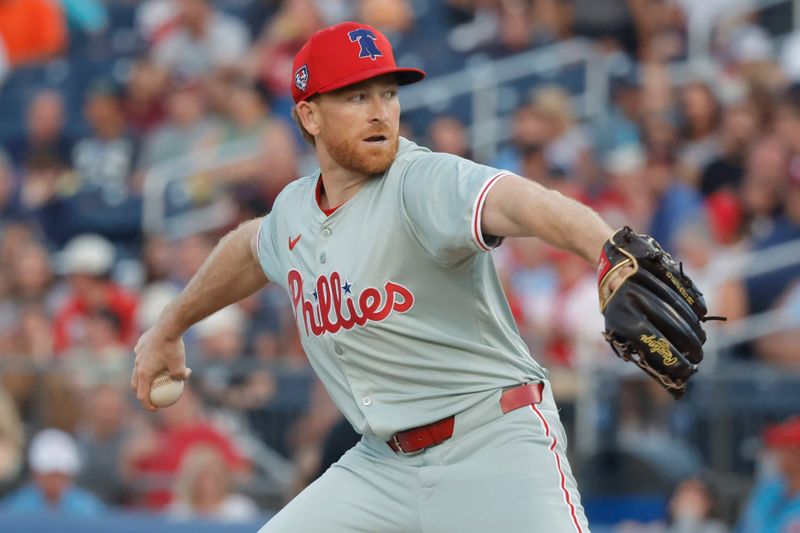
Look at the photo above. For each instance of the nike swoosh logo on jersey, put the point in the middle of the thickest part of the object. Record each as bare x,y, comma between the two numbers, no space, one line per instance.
293,242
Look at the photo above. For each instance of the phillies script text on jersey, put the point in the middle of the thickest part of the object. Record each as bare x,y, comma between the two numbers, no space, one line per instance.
373,304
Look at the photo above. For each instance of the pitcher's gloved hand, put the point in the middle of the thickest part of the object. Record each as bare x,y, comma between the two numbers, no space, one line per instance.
654,313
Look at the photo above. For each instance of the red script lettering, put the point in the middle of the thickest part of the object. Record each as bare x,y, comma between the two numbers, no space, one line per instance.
333,311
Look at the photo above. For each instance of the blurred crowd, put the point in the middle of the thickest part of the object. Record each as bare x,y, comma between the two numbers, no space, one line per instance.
112,97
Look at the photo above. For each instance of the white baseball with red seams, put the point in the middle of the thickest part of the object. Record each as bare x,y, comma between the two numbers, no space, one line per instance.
404,319
165,390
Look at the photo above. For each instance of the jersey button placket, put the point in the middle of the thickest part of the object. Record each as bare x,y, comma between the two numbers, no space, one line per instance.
366,401
322,257
326,232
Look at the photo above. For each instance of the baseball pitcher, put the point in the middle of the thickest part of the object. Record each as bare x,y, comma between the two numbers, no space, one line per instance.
384,254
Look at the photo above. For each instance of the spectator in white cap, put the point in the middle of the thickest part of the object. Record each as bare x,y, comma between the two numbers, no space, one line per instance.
54,462
87,261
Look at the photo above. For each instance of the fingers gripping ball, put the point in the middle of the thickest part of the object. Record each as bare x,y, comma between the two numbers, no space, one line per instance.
165,390
654,313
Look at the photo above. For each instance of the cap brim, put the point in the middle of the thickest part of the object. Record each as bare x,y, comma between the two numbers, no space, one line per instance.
405,76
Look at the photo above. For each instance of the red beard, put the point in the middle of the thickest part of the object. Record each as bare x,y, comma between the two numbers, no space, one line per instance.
357,156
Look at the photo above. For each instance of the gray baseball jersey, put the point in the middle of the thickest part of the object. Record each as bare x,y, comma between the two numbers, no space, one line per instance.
399,308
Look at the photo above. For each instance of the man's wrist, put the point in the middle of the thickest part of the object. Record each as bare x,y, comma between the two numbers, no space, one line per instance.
169,325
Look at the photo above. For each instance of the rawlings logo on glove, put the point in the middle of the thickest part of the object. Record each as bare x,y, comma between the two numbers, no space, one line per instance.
654,314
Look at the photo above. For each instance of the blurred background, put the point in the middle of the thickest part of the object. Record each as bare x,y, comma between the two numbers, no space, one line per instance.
133,134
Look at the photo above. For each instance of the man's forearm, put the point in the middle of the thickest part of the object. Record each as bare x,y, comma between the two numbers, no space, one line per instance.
517,207
230,273
575,227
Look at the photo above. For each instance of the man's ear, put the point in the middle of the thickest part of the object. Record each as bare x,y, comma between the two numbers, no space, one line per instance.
309,114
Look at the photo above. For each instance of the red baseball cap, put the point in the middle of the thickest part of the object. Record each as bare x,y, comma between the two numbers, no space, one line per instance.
784,435
342,55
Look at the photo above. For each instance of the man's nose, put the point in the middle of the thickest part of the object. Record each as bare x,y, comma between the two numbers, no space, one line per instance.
379,110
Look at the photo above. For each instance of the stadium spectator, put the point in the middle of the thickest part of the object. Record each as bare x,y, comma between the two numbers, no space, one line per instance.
774,503
307,437
104,160
101,433
779,348
715,268
392,17
203,489
626,200
763,291
143,103
526,264
199,39
675,203
188,255
31,30
156,256
31,376
449,135
12,442
739,128
33,337
30,278
87,261
44,180
528,129
763,188
270,326
10,207
564,319
100,356
787,118
621,127
186,130
692,509
54,461
151,457
611,22
281,39
516,28
566,141
44,134
747,55
700,115
256,181
158,287
100,196
534,166
224,375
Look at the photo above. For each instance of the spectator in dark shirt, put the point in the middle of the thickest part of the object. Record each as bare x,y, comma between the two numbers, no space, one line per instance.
10,207
764,290
44,130
740,126
104,160
106,200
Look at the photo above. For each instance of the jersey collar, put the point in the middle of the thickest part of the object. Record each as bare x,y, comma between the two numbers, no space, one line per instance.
318,196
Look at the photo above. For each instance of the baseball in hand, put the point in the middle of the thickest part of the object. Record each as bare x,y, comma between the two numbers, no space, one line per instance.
165,390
